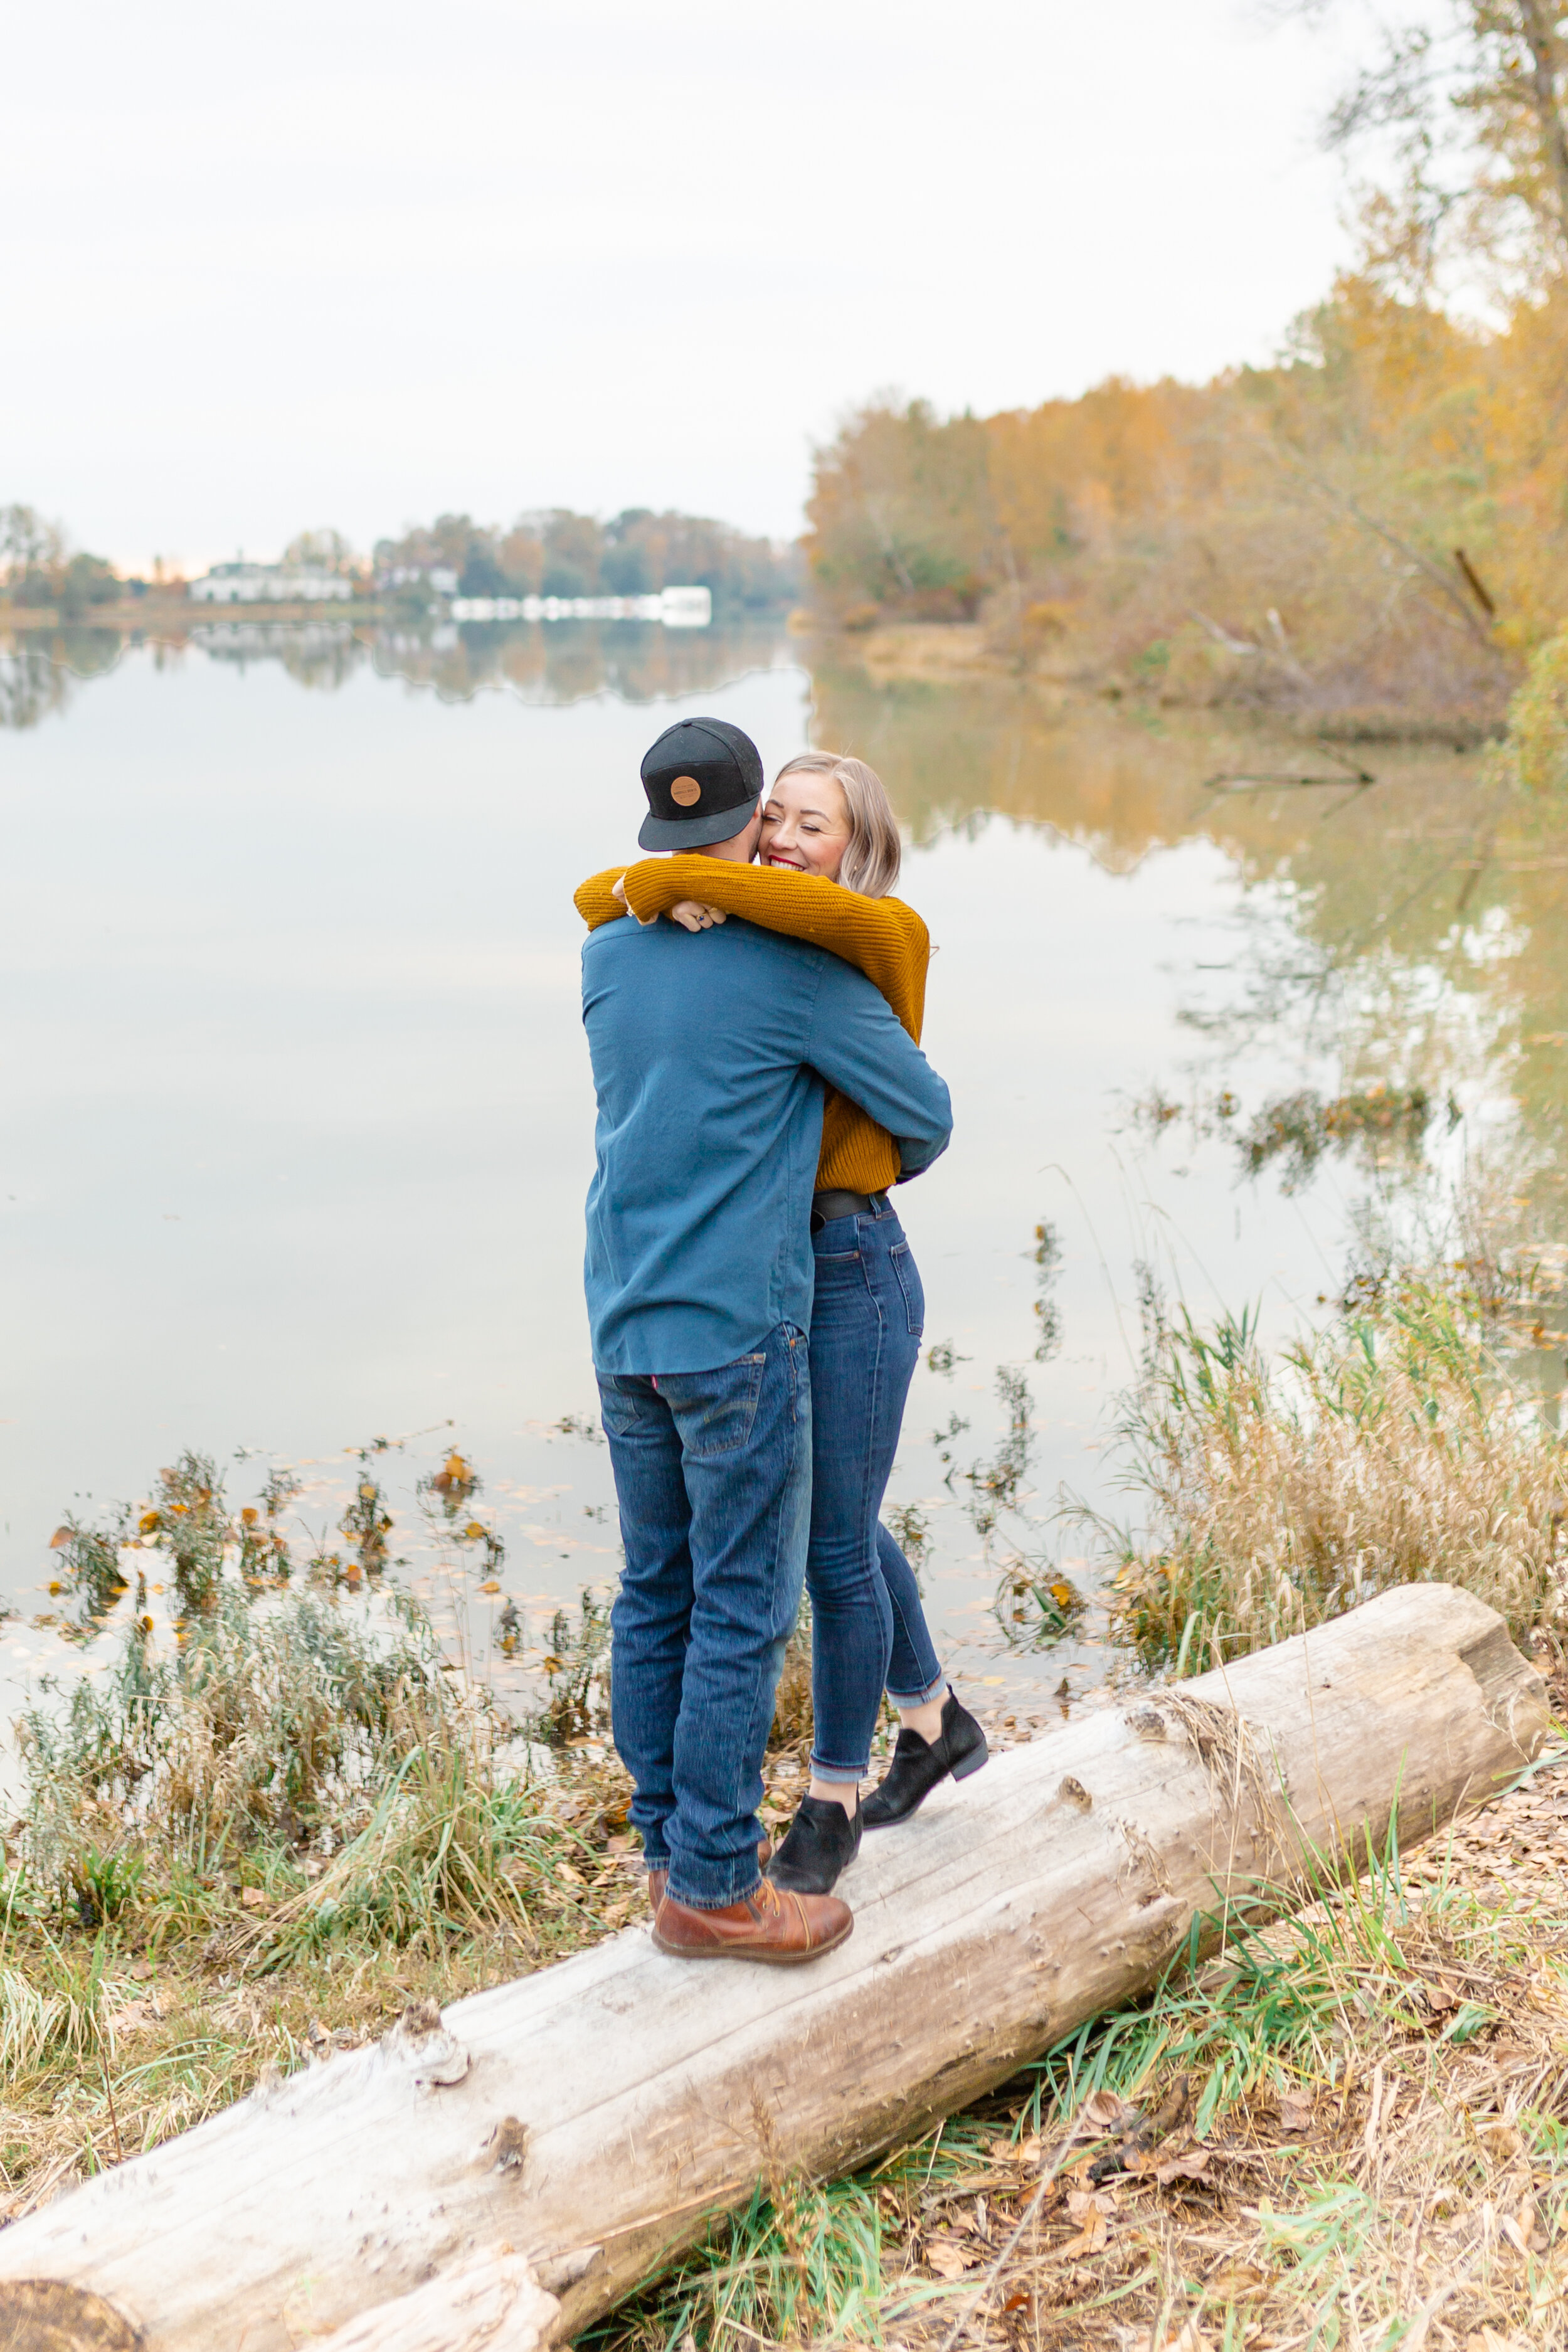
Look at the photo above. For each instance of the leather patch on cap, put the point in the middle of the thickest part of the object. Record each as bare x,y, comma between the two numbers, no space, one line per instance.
686,792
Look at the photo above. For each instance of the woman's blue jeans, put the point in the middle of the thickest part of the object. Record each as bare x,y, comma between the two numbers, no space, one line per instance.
868,1629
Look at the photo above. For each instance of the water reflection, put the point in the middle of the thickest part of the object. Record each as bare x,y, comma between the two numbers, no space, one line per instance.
1414,928
1422,938
543,662
38,672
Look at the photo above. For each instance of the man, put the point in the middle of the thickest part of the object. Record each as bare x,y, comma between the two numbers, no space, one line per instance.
710,1056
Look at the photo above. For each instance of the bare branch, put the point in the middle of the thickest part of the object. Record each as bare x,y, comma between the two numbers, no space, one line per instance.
1545,68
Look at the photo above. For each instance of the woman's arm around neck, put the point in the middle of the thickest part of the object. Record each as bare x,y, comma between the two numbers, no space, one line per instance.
883,937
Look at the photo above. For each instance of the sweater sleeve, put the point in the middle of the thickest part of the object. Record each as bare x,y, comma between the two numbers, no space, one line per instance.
595,899
880,936
857,1046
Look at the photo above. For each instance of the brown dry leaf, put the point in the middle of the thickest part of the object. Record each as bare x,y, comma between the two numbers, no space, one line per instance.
1083,2203
1104,2110
1296,2110
1500,2141
947,2260
1187,2338
1028,2151
1518,2229
1235,2279
134,2017
253,1898
1194,2166
1440,1999
141,1969
1091,2239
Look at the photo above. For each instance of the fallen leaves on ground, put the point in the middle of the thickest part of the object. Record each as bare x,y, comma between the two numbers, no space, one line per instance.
1409,2188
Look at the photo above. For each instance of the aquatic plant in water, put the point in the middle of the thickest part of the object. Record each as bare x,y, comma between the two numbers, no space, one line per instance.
1388,1448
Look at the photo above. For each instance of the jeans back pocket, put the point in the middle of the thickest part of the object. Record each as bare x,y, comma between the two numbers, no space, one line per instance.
714,1411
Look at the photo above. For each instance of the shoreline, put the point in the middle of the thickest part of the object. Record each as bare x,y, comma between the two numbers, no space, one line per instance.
959,654
179,616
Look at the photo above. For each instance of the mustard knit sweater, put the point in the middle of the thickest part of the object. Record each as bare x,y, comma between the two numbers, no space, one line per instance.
880,936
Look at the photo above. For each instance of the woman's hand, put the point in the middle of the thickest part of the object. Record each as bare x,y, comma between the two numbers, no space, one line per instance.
690,913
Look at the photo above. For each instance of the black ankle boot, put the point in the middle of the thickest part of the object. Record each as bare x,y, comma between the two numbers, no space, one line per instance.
821,1841
919,1764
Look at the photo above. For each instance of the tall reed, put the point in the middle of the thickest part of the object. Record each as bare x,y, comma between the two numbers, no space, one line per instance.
1387,1449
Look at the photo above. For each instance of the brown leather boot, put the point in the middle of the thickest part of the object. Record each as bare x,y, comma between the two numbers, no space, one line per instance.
657,1880
771,1925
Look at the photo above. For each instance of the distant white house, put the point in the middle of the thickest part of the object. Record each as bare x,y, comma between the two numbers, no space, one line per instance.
439,576
270,583
678,608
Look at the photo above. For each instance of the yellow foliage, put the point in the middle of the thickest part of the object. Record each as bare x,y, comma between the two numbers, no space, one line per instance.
1536,750
1380,518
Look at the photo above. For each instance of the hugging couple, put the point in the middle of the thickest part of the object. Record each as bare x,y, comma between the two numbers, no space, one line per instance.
756,1319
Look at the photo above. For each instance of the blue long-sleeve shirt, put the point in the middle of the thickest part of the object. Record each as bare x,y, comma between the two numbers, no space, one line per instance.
710,1052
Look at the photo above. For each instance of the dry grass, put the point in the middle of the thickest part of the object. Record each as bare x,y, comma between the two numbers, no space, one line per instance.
258,1849
1353,2130
255,1849
1388,1449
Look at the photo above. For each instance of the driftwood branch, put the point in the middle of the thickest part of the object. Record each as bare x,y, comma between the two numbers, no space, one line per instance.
501,2176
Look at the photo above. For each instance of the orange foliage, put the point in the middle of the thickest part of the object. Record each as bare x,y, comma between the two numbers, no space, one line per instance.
1286,535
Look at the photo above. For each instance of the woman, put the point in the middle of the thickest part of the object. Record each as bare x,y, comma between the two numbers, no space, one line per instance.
830,854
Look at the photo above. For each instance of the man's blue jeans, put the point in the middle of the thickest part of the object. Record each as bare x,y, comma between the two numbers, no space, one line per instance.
714,1479
868,1626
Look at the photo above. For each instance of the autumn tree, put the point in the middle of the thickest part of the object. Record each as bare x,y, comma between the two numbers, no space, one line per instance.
39,569
1478,114
323,550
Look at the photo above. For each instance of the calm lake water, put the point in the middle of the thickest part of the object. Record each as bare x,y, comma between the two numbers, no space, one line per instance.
297,1122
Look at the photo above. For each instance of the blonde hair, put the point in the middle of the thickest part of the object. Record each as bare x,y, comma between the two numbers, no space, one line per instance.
872,859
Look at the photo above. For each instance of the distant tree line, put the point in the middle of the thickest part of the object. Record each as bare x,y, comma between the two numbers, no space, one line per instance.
39,569
555,552
1382,517
550,553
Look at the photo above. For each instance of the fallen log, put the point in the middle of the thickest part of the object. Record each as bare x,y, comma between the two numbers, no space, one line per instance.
502,2176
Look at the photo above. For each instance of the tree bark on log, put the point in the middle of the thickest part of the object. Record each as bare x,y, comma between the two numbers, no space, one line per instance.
503,2176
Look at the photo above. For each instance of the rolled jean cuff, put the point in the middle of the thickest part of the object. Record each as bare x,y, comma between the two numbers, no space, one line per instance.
711,1902
919,1698
842,1775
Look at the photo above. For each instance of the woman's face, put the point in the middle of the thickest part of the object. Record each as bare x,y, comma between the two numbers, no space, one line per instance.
805,826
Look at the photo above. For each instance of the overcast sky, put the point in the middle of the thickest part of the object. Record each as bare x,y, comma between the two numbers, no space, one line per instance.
350,262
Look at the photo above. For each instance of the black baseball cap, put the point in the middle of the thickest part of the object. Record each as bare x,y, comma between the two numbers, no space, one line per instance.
703,779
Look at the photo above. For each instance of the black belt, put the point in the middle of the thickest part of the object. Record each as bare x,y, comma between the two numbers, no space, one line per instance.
830,1203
